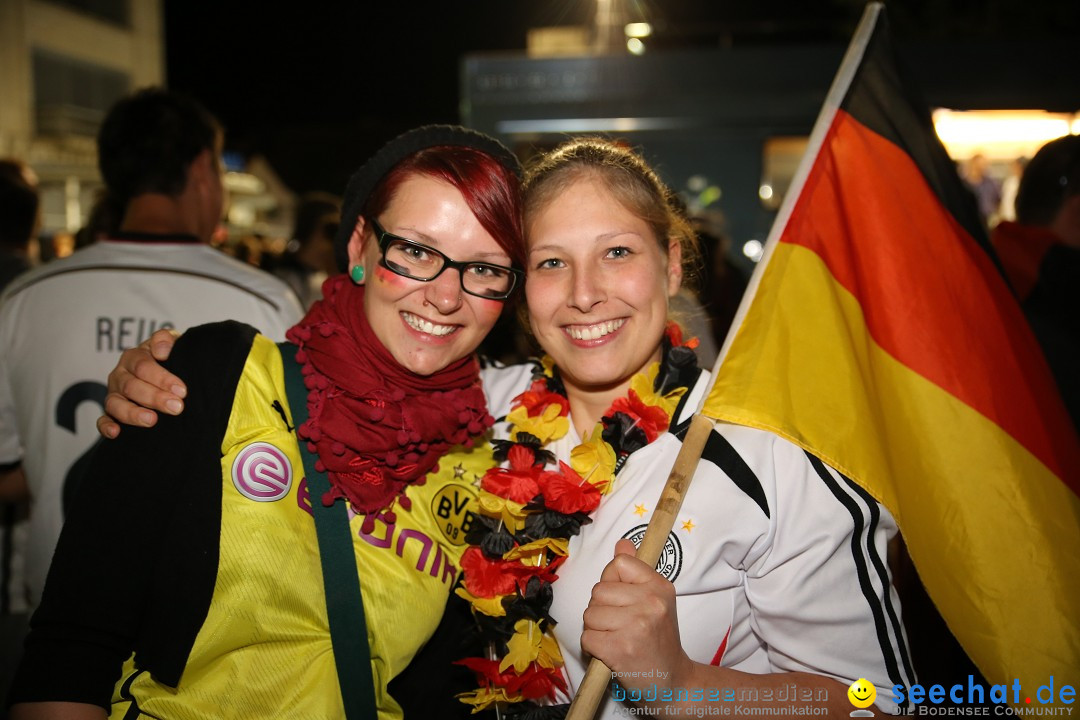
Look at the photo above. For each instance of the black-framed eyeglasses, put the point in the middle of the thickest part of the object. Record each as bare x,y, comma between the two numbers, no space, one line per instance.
417,261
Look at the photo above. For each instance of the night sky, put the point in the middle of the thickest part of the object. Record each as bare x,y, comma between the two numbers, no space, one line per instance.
317,92
317,86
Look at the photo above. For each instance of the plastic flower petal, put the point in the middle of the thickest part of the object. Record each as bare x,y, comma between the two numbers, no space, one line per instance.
537,682
484,577
521,458
594,460
488,670
537,399
652,419
534,682
551,424
643,383
518,486
528,644
550,656
511,513
674,334
567,492
548,364
485,697
490,606
538,548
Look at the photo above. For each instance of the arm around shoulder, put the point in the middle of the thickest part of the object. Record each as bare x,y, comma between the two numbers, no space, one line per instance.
146,506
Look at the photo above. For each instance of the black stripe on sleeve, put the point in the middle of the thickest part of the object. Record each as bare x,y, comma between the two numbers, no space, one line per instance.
861,568
883,576
687,378
133,712
723,454
143,270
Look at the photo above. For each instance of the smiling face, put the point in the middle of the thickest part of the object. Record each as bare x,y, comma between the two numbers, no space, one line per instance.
426,326
598,286
861,693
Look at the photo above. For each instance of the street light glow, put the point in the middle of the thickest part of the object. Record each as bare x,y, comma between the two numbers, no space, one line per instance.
1000,134
753,249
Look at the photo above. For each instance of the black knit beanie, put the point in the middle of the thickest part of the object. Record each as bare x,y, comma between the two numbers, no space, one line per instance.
371,172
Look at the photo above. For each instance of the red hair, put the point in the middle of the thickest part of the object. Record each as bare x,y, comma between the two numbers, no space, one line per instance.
490,189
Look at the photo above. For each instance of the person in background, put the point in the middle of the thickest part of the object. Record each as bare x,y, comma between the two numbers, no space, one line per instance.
159,156
1009,187
19,221
309,257
1040,253
102,221
722,282
987,190
249,249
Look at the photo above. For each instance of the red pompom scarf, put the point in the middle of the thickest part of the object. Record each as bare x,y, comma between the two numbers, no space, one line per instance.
375,426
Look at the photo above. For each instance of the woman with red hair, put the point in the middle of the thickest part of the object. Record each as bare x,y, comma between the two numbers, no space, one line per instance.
189,580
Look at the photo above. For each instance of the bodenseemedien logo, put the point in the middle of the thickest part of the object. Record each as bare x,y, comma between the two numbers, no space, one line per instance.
652,699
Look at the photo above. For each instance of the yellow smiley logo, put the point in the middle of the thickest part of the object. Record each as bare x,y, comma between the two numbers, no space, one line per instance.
862,694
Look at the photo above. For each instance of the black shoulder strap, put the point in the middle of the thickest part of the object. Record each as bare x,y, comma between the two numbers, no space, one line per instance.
344,604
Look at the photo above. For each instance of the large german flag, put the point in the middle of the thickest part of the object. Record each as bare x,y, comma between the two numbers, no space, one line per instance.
879,334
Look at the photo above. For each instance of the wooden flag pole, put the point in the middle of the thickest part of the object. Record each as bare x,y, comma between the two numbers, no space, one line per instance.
595,683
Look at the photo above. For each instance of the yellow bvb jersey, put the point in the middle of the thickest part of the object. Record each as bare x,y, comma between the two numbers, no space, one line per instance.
264,650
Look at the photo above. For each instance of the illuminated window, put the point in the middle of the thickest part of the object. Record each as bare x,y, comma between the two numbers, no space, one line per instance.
1000,134
780,160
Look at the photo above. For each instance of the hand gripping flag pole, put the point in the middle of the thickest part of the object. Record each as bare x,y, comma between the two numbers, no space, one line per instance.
595,682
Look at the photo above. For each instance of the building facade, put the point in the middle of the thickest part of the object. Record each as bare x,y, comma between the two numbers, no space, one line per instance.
63,63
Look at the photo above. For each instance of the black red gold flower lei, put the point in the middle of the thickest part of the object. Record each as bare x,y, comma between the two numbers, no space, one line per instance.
528,515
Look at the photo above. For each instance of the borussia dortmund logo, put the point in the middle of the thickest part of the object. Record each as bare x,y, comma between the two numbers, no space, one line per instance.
453,508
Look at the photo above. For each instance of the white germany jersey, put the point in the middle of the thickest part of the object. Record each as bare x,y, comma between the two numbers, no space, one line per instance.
62,328
777,560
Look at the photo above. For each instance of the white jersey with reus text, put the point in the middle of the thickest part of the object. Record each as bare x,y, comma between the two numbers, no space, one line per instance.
62,328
